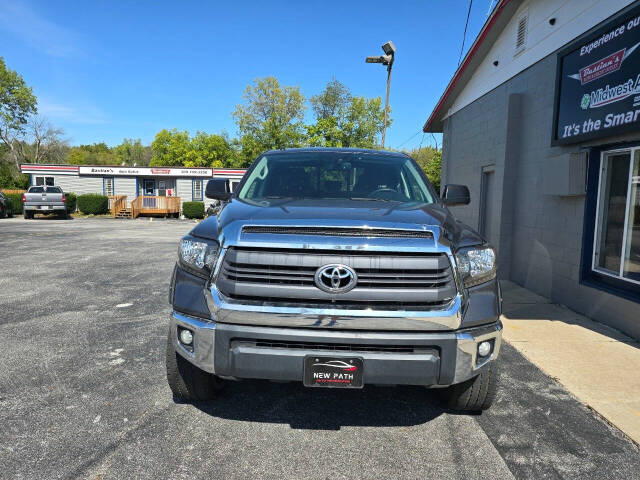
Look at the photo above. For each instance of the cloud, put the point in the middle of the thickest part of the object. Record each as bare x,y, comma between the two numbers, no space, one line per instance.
41,34
86,114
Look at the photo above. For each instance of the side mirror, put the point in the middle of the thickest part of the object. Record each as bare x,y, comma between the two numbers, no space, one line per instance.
456,195
218,189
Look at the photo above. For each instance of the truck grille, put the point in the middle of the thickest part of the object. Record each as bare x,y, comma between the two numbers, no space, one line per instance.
335,347
385,280
338,231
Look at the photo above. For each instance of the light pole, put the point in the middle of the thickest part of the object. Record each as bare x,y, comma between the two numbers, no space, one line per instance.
389,50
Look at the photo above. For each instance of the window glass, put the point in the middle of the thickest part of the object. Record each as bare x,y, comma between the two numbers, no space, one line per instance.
36,190
39,180
108,186
48,181
197,190
631,267
613,202
336,175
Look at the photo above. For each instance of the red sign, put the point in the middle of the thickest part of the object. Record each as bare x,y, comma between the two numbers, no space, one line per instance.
161,171
602,67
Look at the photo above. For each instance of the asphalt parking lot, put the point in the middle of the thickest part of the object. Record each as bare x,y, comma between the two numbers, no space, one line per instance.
83,394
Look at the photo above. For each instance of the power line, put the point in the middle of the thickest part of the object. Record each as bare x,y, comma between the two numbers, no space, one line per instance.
464,36
411,137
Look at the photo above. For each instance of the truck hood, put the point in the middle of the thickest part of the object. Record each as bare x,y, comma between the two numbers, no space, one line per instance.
228,223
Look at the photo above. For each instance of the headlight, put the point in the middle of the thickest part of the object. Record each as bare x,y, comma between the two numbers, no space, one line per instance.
476,265
198,255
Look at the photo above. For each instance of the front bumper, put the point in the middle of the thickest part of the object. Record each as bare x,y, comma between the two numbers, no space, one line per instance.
273,353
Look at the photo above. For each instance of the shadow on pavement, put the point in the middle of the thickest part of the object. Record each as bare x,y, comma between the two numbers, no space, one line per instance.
324,409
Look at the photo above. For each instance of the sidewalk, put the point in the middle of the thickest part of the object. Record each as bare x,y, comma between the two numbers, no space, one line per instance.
597,364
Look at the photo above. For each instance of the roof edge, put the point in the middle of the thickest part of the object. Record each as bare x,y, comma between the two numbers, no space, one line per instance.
487,27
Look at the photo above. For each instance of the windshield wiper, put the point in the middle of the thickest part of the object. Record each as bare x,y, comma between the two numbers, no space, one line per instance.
373,199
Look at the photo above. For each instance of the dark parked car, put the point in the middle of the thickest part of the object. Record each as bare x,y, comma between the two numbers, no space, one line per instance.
336,268
6,209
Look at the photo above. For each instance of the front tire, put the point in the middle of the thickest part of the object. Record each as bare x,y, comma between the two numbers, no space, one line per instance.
475,394
188,382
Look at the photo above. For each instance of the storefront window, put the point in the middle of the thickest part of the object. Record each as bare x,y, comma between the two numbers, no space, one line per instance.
617,246
631,258
107,185
197,191
44,181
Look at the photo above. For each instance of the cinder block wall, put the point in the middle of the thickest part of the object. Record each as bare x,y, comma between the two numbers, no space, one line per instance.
539,239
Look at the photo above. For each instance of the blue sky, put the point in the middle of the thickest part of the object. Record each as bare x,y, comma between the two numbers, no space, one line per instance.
105,70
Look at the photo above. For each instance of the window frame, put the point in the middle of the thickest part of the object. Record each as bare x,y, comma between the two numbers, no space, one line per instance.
104,185
590,273
44,181
193,190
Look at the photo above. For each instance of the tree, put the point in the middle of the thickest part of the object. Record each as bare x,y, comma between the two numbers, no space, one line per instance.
271,115
17,103
333,101
46,142
430,160
343,120
363,122
170,148
208,150
131,152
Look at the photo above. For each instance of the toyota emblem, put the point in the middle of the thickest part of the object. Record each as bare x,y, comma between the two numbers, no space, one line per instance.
335,278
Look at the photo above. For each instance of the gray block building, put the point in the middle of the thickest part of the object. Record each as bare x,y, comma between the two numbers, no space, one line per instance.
541,121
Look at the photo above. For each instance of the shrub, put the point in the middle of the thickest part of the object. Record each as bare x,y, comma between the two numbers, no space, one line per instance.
16,202
72,200
92,203
193,209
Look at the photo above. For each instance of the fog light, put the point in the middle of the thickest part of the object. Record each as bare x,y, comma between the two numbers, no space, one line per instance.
185,336
484,349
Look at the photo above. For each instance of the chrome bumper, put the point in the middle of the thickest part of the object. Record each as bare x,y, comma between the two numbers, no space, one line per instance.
213,352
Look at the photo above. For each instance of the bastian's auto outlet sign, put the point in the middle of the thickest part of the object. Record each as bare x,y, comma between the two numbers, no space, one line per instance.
147,171
598,83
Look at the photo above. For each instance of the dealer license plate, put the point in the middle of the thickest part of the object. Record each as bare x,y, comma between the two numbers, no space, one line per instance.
333,372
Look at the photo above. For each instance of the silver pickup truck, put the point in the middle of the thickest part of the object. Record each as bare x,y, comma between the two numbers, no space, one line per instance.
44,199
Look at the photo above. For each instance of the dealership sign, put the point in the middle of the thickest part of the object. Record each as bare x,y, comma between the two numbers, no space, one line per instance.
147,171
598,84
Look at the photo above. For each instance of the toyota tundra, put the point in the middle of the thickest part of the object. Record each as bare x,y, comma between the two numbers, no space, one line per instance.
336,268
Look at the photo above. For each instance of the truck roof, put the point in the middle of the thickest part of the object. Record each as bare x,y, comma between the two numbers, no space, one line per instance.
336,149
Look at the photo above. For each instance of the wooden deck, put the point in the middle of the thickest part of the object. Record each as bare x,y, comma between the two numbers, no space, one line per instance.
154,205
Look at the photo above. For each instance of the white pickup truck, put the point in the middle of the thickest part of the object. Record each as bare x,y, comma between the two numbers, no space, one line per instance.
44,199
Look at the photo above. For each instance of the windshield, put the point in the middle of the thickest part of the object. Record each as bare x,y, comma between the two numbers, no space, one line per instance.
326,175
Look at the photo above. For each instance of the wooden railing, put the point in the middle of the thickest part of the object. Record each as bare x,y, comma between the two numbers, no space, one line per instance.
117,203
147,205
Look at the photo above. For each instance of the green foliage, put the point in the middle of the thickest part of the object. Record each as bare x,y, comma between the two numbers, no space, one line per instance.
91,203
193,209
271,115
131,152
96,154
171,147
430,160
71,201
333,101
17,101
16,202
343,120
11,178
